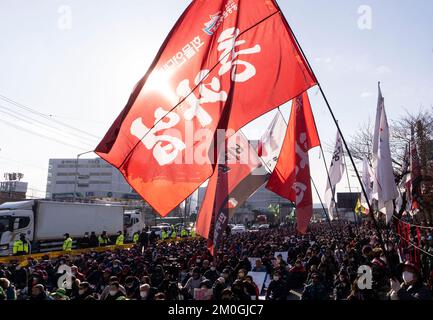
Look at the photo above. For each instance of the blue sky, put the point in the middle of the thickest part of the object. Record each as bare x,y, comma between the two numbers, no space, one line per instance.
83,76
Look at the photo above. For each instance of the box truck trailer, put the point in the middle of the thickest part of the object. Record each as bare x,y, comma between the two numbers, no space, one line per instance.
45,222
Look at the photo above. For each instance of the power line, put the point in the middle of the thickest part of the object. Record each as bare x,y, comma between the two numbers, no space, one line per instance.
43,125
46,116
40,135
9,160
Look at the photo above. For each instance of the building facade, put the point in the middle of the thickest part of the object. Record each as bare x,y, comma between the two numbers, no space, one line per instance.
91,178
12,191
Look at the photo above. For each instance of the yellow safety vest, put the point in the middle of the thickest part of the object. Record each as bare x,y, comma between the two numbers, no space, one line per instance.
67,245
102,241
164,235
119,240
20,247
173,234
184,233
135,238
192,233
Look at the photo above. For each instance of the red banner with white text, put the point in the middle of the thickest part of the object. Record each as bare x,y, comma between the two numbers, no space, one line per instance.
225,63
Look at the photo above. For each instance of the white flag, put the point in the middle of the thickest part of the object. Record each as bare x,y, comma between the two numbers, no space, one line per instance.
384,187
336,171
366,181
270,144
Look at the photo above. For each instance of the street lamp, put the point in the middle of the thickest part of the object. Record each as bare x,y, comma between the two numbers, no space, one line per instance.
76,172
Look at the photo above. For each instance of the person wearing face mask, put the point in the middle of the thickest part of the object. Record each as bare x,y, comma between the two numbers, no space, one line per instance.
194,281
218,288
84,292
342,286
114,292
316,291
212,274
277,289
67,244
297,275
76,273
145,292
132,286
241,274
117,268
106,292
412,287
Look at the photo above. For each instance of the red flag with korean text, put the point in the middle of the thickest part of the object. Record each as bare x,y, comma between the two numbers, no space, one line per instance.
227,60
240,161
291,177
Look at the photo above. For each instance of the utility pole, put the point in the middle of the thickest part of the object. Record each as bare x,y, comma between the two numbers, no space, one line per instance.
76,173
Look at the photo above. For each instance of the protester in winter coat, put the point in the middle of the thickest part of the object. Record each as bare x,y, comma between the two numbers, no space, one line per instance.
218,288
316,290
342,286
114,292
277,289
194,281
212,274
8,289
412,287
38,293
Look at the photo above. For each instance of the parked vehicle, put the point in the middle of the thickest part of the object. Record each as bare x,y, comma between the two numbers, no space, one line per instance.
239,228
158,230
45,222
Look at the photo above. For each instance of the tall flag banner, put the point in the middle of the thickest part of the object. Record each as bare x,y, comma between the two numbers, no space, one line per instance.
367,183
403,202
270,144
242,179
415,175
384,187
291,176
204,77
336,171
240,161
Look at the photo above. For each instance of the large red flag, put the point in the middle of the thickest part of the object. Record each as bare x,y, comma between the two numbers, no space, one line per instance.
291,176
240,161
225,63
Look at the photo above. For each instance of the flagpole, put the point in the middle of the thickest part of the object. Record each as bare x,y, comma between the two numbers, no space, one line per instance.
333,189
379,234
321,202
350,190
327,173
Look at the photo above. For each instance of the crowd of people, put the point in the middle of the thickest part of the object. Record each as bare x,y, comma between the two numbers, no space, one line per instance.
324,264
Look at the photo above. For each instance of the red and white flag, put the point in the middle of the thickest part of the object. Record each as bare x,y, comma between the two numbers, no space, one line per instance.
270,144
225,63
241,159
291,177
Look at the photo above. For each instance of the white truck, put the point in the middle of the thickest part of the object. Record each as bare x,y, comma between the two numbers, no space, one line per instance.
45,222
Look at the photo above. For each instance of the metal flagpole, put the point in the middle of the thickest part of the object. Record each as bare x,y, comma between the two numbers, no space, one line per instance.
312,181
321,202
350,190
327,173
379,234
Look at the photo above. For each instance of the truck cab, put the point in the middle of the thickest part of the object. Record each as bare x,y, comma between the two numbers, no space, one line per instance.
133,221
15,219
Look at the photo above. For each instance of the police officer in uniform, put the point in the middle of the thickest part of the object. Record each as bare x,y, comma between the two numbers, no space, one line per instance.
21,246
